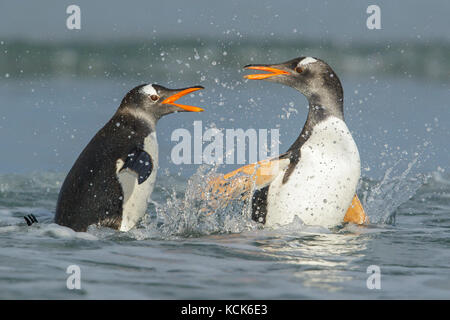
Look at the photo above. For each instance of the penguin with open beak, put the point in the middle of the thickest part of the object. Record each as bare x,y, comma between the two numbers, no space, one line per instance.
114,176
318,184
316,179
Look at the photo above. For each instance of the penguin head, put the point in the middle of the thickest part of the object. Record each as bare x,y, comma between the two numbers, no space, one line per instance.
313,77
157,100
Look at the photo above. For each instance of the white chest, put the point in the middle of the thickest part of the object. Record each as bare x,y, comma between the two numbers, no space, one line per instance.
323,183
136,195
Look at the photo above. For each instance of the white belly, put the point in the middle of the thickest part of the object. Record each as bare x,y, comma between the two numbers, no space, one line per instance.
136,195
322,185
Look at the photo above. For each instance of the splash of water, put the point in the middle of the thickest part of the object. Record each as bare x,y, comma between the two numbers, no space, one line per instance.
196,212
382,199
191,213
184,211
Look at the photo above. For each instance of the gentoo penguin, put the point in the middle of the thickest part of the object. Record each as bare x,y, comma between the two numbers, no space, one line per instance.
113,177
316,179
320,181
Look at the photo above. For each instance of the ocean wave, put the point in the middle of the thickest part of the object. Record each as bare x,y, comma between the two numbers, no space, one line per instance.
200,57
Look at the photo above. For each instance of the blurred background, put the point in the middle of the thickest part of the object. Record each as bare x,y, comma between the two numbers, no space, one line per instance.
59,86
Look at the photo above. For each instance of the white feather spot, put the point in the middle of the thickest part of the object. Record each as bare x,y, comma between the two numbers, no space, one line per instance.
148,89
306,61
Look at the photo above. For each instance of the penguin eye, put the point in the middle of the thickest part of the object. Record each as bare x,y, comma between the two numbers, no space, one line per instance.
154,97
298,69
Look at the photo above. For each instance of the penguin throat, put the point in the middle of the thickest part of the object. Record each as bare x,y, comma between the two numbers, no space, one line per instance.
321,106
148,119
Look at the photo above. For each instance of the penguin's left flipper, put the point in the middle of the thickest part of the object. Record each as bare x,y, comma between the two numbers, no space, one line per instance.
140,162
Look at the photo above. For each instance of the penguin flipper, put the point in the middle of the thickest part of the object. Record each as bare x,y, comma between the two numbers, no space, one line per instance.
140,162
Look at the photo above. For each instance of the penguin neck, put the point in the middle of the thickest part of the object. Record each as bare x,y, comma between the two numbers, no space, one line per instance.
321,106
140,117
328,101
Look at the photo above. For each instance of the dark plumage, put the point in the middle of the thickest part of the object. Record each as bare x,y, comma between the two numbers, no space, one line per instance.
92,192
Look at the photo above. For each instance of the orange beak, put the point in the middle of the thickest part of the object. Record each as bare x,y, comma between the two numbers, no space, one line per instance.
273,72
171,100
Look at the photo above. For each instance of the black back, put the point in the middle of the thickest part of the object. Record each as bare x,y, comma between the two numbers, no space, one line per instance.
91,192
